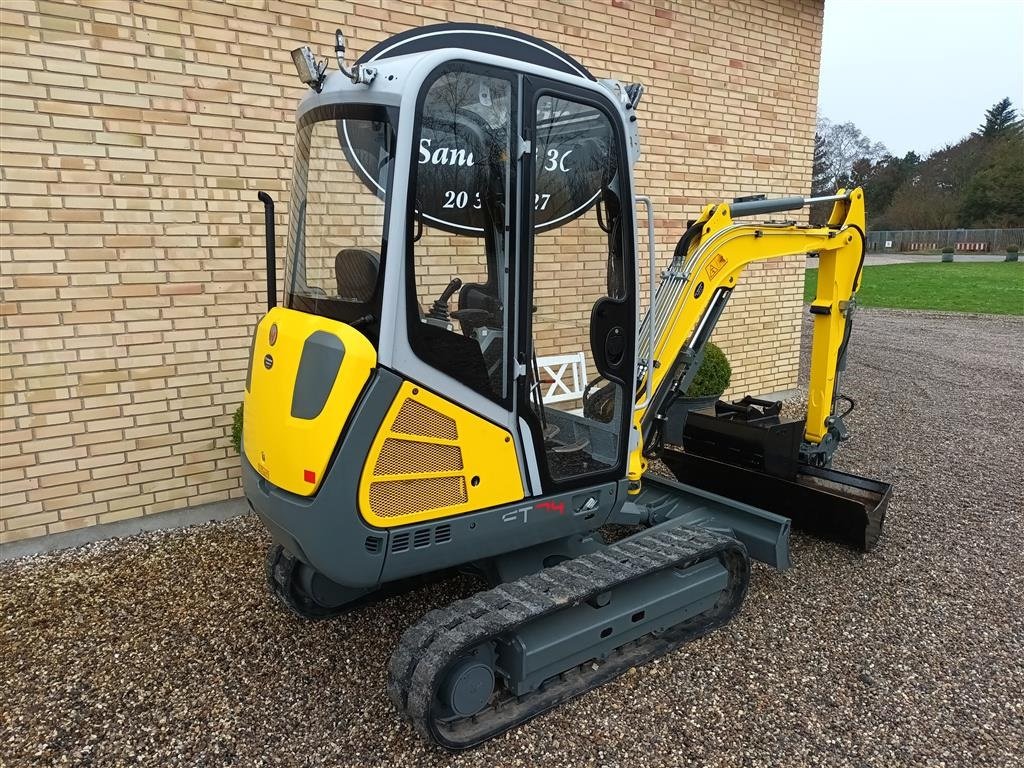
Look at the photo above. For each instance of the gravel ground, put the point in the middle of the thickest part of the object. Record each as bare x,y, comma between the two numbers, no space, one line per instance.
165,649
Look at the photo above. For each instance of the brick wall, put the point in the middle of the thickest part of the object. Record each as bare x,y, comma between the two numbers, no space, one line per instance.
136,134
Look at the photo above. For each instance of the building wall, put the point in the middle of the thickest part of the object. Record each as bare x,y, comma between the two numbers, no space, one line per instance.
135,136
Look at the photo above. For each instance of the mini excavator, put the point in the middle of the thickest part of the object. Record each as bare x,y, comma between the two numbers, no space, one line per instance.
461,375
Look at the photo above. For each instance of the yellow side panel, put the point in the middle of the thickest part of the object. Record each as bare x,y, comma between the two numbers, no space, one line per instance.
432,458
290,452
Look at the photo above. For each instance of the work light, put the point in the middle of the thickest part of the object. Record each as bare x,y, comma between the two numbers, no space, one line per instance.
308,70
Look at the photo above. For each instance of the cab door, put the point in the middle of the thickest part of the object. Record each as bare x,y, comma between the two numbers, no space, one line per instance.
577,326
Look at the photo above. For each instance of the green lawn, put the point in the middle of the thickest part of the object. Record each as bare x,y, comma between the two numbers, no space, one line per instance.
992,287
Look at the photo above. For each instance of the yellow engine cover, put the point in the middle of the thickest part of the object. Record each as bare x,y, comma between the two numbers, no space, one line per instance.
432,458
293,418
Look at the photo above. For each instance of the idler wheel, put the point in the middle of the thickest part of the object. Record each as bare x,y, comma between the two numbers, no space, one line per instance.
468,687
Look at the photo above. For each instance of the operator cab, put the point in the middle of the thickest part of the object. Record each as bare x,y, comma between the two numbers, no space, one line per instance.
464,200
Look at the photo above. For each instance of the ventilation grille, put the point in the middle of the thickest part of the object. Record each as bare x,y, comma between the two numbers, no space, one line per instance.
421,538
400,457
398,488
414,418
398,498
374,544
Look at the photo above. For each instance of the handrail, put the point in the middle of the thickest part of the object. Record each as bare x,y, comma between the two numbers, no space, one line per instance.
651,335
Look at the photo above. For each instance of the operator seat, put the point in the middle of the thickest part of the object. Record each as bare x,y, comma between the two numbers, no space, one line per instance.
482,296
457,355
355,270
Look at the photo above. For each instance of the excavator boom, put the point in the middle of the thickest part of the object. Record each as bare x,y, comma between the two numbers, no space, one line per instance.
745,451
707,266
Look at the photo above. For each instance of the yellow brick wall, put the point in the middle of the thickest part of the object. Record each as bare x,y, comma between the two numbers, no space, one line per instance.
135,136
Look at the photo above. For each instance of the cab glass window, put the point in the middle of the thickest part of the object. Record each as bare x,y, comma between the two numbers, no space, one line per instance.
338,214
459,233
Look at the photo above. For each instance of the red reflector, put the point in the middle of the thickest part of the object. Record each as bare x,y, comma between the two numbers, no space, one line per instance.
309,475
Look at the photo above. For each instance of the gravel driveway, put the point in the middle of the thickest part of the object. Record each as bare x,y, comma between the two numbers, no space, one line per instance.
165,649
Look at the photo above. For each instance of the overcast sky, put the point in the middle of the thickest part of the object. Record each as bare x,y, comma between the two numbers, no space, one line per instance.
919,74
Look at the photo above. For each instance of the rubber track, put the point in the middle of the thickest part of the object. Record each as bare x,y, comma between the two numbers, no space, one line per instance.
428,648
280,573
280,569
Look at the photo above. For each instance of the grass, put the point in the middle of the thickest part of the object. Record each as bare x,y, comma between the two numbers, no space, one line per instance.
990,287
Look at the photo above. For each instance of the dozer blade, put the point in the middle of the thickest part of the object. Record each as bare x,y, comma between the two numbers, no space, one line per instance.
824,502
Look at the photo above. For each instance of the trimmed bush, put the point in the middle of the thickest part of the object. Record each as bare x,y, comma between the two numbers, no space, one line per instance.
713,376
947,254
236,431
1011,253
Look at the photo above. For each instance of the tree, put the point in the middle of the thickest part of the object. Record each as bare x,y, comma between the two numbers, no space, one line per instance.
881,180
930,196
821,180
838,148
921,202
994,196
975,182
1000,120
842,145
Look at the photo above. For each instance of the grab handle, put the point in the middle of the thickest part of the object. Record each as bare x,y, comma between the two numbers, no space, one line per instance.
651,336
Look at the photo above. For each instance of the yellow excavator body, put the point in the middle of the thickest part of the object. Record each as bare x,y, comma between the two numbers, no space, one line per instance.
305,374
462,376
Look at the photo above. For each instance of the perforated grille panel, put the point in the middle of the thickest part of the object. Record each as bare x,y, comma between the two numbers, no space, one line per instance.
417,419
397,498
398,492
402,457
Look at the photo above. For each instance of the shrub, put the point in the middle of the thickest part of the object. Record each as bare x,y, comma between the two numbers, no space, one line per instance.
948,249
1012,249
713,376
236,431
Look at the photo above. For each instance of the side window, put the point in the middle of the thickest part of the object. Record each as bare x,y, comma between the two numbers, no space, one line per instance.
338,213
459,233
